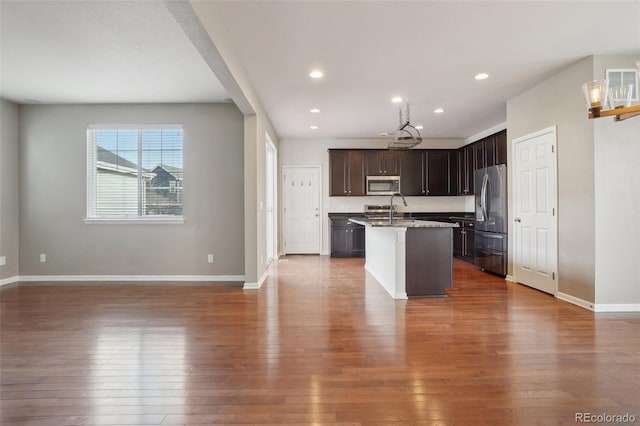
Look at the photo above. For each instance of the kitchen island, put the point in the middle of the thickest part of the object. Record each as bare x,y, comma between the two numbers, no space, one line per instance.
409,258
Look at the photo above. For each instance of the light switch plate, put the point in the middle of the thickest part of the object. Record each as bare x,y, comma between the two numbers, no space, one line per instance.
3,260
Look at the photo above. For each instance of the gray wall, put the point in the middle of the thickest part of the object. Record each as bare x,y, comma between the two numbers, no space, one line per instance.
9,172
53,195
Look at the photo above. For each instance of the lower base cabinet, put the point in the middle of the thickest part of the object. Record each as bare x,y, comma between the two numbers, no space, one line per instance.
464,240
347,238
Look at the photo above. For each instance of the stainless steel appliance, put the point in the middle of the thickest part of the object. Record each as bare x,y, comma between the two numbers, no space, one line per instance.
383,185
491,219
373,211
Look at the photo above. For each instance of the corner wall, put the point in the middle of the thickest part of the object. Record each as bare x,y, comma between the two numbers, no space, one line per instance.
9,190
53,195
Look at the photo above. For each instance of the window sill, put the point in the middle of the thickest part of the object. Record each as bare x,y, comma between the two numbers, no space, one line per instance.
136,221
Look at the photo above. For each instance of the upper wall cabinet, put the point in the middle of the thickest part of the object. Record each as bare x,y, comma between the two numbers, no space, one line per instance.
382,162
412,172
486,152
442,172
346,172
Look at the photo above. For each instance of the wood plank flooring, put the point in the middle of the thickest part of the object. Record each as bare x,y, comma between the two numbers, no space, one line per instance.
320,343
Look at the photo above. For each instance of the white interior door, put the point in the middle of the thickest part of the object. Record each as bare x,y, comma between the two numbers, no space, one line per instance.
535,187
301,209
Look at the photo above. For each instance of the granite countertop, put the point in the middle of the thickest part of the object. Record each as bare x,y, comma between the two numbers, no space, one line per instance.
403,223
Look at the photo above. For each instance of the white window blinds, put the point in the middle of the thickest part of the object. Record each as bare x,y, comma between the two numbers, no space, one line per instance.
134,172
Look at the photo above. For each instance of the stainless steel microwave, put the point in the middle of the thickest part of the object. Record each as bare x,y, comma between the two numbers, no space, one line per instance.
383,185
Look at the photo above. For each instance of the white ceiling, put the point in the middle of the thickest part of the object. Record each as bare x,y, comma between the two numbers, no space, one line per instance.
426,51
99,52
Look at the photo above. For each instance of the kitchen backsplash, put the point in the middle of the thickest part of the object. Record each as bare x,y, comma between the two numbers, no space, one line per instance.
415,204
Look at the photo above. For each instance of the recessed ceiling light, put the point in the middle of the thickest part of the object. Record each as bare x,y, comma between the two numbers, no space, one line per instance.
396,99
481,76
419,127
316,74
313,127
438,110
314,110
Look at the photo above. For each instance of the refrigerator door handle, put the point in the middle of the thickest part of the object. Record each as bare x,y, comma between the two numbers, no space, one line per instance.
483,197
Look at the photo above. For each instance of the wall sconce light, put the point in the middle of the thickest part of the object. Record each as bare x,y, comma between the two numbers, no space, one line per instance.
597,94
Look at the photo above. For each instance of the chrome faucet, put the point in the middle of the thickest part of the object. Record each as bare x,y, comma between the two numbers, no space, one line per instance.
391,205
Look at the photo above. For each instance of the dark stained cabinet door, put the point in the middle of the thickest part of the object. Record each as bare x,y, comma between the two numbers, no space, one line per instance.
338,179
357,173
347,238
464,240
357,241
501,147
382,163
457,242
441,172
469,244
478,156
346,173
412,172
489,151
465,170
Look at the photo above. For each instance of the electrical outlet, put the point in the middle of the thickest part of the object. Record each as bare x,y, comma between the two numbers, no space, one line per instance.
43,257
210,258
3,260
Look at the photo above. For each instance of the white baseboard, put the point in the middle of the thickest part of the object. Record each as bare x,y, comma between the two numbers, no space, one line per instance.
256,286
129,278
617,307
575,301
9,280
510,279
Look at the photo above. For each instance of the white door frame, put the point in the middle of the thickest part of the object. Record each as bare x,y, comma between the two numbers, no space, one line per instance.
284,202
553,130
271,159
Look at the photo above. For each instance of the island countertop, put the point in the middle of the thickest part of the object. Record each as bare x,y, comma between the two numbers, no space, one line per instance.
402,223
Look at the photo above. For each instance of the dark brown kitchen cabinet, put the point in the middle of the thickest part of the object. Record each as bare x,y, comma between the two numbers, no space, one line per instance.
382,162
347,238
441,176
478,155
346,172
501,147
495,149
464,240
412,172
489,151
465,170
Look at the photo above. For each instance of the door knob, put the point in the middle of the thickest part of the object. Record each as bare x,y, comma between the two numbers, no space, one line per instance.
517,219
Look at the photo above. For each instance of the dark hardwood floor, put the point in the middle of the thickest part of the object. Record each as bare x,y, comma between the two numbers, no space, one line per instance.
319,343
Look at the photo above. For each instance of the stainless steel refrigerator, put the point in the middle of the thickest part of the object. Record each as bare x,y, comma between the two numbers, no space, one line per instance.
491,219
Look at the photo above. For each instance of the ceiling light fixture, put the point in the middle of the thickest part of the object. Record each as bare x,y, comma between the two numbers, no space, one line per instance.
396,99
316,74
405,136
419,127
314,110
314,127
438,111
482,76
597,94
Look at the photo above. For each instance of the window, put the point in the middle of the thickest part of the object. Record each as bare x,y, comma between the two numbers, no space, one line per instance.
134,172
